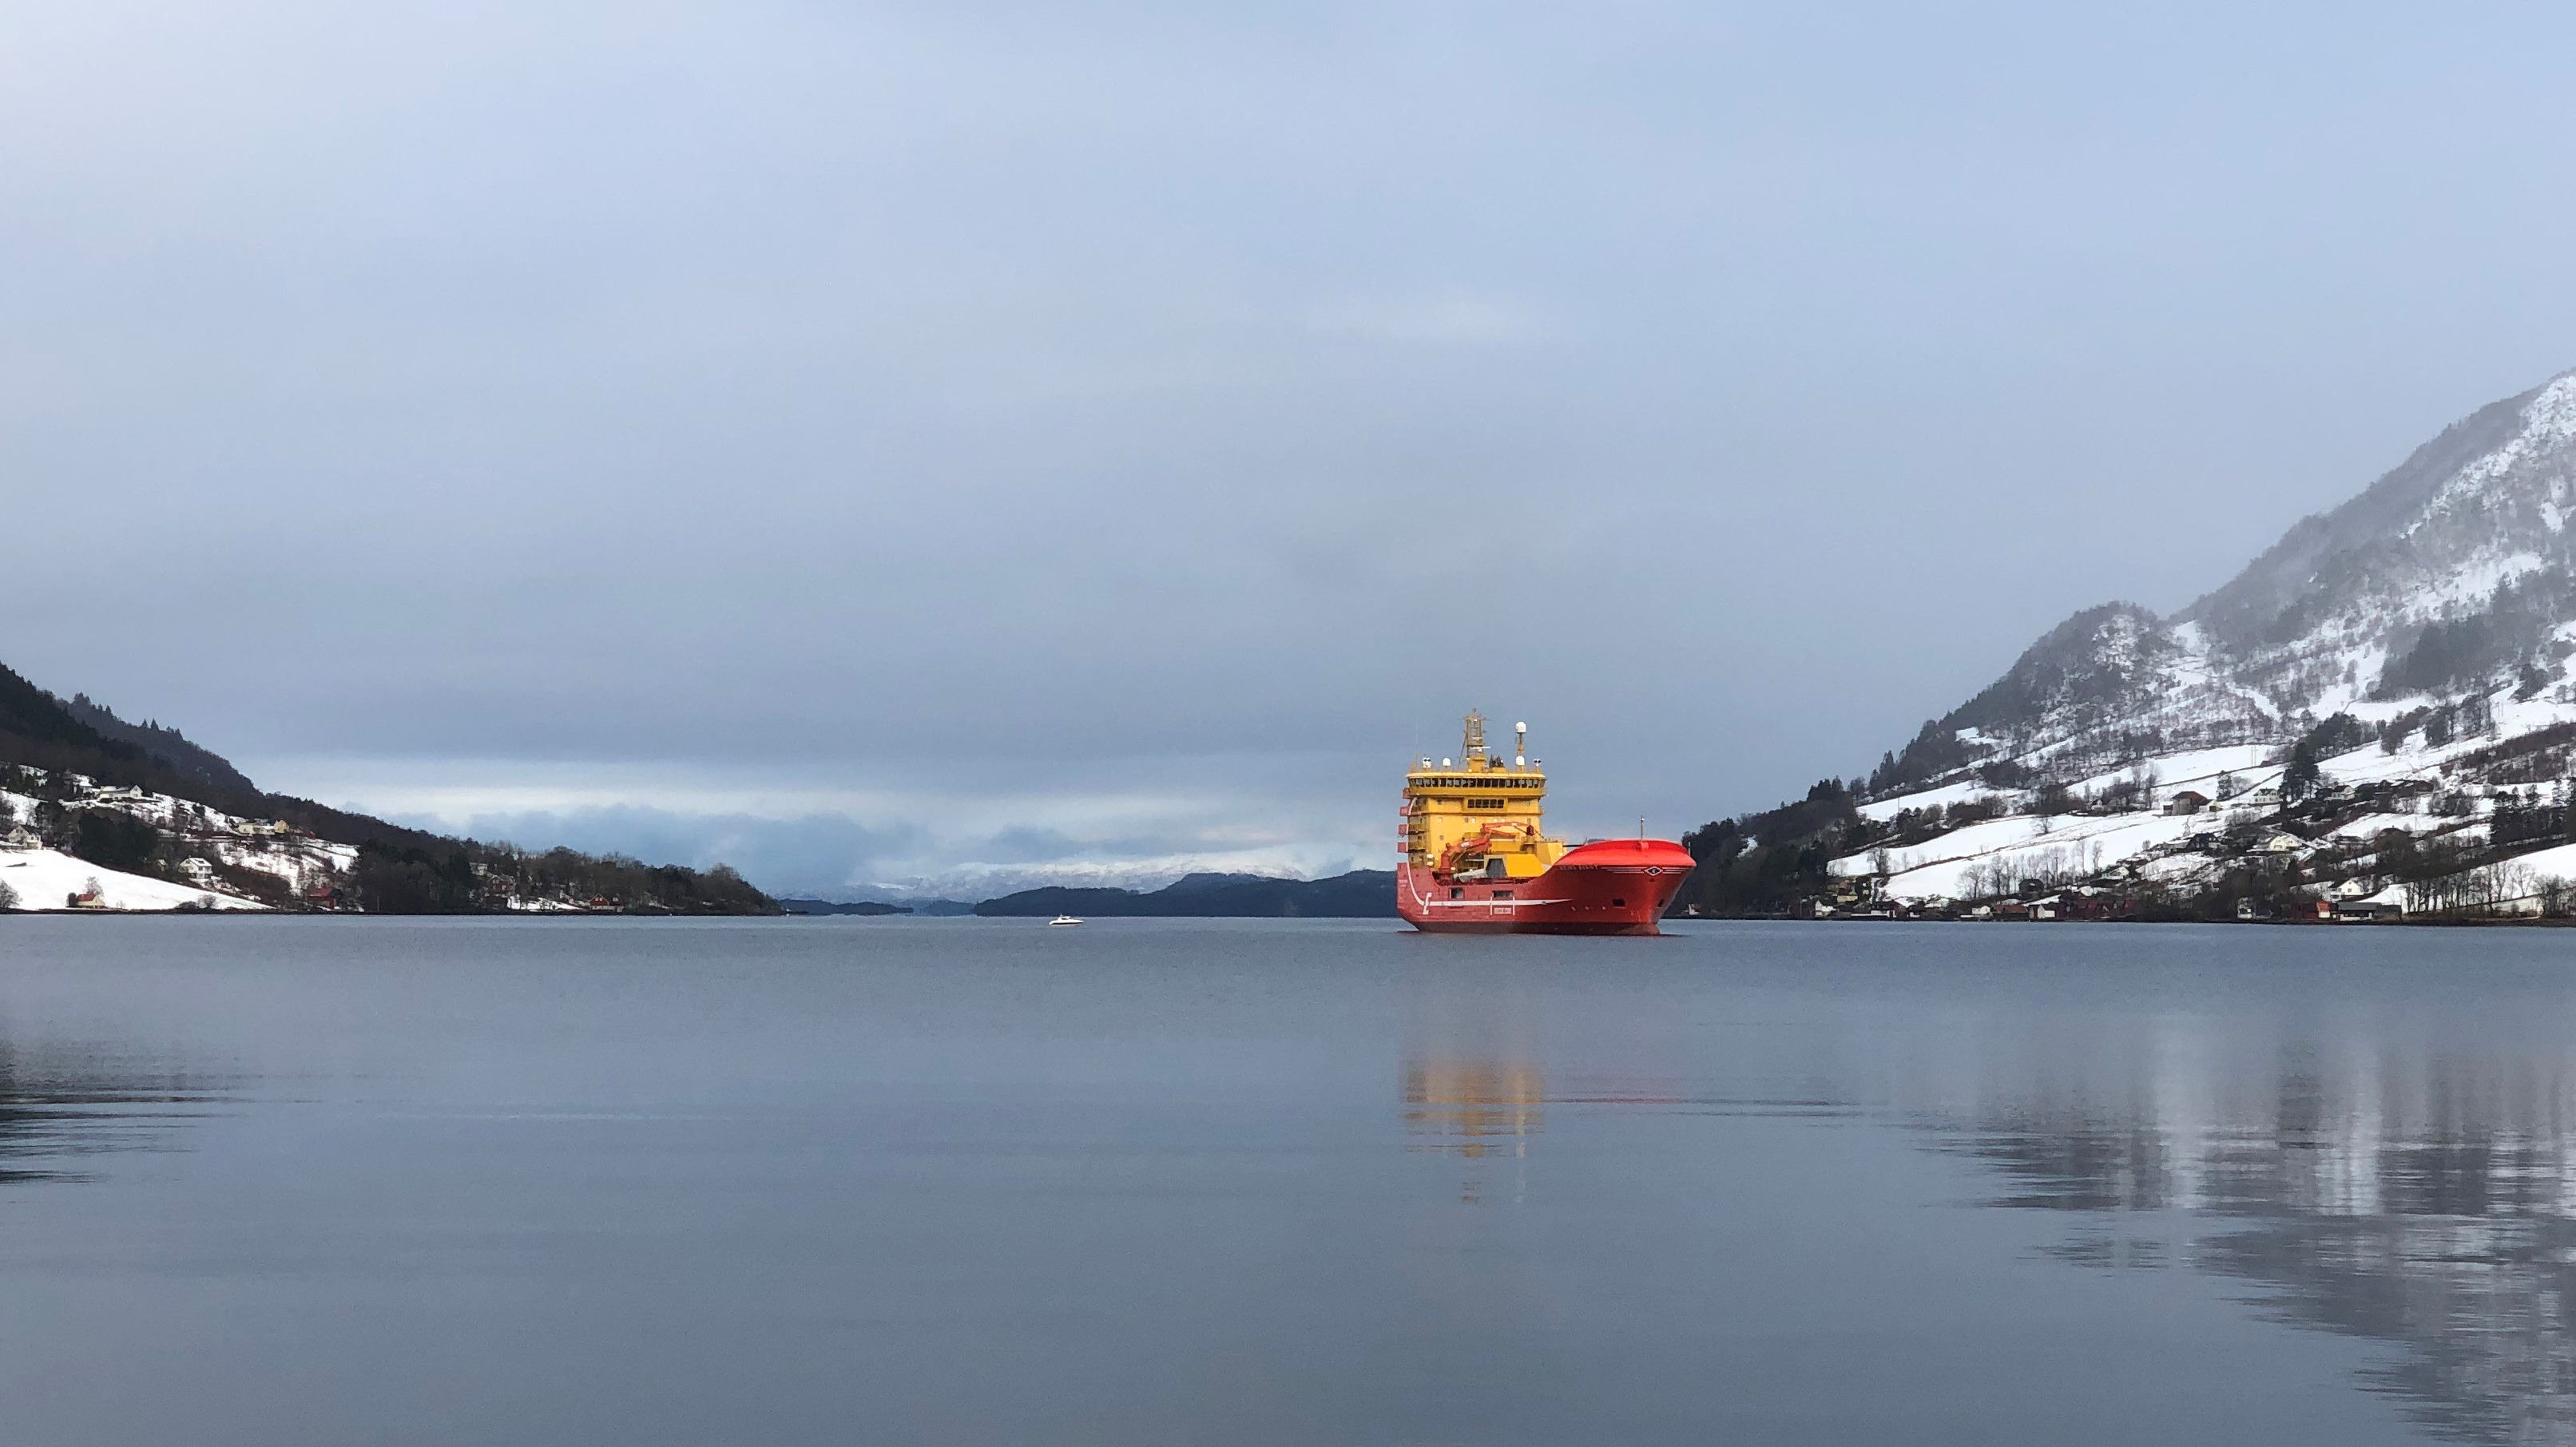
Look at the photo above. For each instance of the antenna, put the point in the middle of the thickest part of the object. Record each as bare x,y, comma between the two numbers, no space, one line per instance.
1520,746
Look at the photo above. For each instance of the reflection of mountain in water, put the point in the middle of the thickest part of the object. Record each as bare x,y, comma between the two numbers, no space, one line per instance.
2427,1201
58,1105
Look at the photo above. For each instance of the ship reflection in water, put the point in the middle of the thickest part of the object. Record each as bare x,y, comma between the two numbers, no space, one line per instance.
1476,1109
1470,1107
2423,1197
1473,1086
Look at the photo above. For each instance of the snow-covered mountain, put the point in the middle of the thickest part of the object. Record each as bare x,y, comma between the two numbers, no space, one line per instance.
2450,573
2412,644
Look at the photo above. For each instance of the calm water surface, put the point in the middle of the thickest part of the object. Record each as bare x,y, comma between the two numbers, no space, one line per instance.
833,1181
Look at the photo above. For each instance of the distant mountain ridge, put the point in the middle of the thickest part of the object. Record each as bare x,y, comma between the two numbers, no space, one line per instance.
1360,894
794,904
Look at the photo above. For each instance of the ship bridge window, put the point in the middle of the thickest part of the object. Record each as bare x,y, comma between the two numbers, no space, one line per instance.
1488,803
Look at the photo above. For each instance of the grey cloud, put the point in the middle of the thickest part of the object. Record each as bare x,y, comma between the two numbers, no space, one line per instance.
1050,846
1012,392
1024,846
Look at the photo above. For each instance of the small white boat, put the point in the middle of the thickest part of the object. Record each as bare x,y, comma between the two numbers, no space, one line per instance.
1063,919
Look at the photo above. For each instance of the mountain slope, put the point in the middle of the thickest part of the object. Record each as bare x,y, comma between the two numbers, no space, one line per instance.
164,746
34,722
2491,487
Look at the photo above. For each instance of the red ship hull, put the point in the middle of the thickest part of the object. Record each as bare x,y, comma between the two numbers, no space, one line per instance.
1609,887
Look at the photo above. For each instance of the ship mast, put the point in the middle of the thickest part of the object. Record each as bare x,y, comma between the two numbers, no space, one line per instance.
1488,799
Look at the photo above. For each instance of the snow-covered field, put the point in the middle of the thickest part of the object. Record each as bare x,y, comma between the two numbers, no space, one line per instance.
1947,794
297,860
45,879
2369,826
2022,845
2198,769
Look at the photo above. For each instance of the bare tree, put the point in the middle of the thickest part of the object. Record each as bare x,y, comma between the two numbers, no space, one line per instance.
2555,897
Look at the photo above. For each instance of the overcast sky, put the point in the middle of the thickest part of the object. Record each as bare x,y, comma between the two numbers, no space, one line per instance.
949,443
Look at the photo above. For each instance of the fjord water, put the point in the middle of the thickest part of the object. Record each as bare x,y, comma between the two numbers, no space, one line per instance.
830,1181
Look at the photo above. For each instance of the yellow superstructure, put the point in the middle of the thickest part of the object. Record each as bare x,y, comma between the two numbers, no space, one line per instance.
1479,817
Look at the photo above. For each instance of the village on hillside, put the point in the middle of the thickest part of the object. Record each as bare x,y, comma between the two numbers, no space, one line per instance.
2454,812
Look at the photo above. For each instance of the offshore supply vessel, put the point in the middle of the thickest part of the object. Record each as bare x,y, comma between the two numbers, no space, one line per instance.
1473,859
